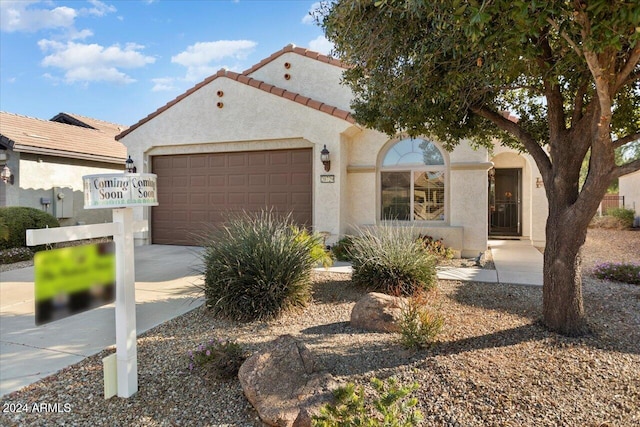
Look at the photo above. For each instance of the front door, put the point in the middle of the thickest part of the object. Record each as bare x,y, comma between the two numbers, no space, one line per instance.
505,202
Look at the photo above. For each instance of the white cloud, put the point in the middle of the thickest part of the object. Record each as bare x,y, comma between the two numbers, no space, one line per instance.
321,44
163,84
92,62
99,8
17,16
308,18
203,59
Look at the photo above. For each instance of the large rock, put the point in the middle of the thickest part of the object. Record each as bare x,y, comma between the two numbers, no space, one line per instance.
285,384
377,312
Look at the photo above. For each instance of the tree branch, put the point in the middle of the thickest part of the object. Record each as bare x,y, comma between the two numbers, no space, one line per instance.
626,169
532,146
633,60
565,36
578,103
552,91
625,140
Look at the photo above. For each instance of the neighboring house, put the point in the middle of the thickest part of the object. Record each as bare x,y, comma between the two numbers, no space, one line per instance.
252,140
47,159
629,188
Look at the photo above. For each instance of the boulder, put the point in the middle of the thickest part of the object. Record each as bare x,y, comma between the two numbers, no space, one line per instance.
377,312
285,384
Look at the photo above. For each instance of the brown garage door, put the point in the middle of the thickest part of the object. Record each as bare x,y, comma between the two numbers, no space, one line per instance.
196,191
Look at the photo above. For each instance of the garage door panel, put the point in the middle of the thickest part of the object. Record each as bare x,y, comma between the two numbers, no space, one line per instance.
198,161
179,162
237,180
198,181
301,157
199,192
217,180
237,159
301,178
179,181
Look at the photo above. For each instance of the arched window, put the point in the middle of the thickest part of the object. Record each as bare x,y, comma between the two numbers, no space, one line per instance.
412,180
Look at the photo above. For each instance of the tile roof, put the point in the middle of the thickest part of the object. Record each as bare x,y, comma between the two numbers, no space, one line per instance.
88,122
31,135
258,84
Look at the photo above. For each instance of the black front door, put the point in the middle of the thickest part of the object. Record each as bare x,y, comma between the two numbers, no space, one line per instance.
505,202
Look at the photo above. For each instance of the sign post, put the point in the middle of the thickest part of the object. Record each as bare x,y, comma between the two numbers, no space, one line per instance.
119,192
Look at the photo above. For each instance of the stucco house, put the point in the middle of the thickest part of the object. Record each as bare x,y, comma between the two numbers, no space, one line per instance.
629,188
44,161
280,135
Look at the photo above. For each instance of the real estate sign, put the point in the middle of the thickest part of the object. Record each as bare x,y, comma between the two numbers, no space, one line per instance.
72,280
120,190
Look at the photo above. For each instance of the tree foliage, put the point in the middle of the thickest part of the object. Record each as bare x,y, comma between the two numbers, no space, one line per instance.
557,78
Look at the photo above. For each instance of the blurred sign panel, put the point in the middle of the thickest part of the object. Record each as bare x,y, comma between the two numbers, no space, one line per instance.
72,280
120,190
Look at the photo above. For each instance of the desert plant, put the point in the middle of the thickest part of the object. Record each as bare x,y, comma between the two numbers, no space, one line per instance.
318,250
20,219
390,406
388,258
257,267
626,216
420,321
8,256
341,249
436,247
619,272
218,357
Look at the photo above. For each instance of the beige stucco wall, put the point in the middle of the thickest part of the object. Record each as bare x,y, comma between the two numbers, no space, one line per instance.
534,199
308,77
465,224
39,176
250,119
629,187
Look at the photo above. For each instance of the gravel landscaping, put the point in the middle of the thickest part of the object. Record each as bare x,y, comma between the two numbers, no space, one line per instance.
494,364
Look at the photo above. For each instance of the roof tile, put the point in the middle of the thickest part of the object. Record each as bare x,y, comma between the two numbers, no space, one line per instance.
28,134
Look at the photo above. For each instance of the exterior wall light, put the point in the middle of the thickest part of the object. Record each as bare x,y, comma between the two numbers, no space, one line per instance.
324,157
539,182
6,175
130,167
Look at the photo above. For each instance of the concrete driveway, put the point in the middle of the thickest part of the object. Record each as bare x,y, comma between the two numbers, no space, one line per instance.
167,280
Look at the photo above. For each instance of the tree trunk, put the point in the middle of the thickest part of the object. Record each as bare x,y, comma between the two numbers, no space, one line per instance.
563,311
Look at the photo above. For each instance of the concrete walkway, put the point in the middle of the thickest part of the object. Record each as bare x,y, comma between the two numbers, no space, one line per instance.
167,282
166,287
516,262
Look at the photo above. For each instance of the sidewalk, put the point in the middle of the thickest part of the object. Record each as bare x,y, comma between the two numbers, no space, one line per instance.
516,262
166,282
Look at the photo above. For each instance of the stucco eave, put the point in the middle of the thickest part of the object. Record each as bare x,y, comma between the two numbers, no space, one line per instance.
472,166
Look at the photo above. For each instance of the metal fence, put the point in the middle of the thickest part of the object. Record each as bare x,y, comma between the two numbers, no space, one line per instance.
610,201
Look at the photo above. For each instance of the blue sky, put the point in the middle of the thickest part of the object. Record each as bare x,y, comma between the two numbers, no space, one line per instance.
120,60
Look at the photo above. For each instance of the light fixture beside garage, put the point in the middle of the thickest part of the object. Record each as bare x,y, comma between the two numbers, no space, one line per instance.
324,157
6,175
129,166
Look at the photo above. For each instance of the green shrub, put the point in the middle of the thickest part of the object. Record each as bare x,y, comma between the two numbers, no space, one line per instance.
619,272
220,358
626,216
318,251
257,267
18,220
9,256
436,247
341,249
389,407
389,259
420,322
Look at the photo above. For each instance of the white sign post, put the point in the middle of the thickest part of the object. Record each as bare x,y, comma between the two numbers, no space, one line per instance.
119,191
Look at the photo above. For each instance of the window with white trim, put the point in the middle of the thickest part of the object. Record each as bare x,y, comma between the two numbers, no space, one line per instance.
412,178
